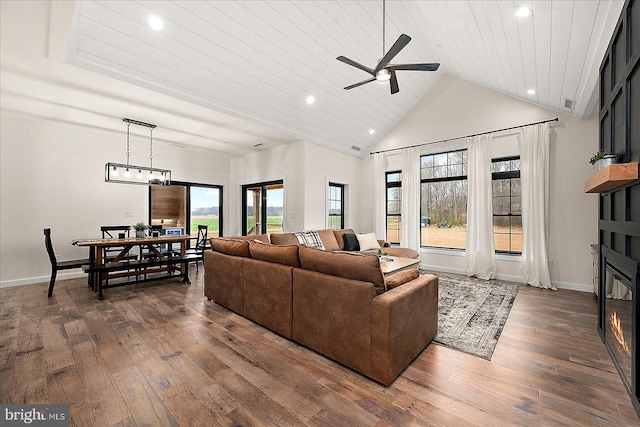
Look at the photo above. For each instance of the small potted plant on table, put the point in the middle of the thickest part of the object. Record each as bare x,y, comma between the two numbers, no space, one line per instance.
140,228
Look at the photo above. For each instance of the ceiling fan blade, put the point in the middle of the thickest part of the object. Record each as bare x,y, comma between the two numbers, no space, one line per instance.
402,41
394,83
360,83
414,67
355,64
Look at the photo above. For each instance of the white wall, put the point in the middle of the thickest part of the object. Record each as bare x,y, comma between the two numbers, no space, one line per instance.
455,107
52,175
322,166
306,170
286,163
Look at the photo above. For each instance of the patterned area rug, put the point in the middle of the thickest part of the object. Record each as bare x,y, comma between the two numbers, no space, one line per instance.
472,312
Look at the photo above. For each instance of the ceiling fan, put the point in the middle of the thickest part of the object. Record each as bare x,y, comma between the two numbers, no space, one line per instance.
384,71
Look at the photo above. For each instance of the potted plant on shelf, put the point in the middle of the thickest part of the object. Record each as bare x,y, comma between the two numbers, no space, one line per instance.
601,159
140,228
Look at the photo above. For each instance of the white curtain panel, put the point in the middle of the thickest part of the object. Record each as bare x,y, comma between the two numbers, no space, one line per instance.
480,252
410,198
379,196
533,144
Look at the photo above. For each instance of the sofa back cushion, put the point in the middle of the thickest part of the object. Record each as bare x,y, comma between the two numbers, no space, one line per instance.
230,246
350,266
264,238
328,240
284,239
287,255
338,234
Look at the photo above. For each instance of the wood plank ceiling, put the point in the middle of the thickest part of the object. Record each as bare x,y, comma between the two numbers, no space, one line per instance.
260,60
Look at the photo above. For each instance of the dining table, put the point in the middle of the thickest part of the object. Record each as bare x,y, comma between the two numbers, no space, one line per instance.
99,246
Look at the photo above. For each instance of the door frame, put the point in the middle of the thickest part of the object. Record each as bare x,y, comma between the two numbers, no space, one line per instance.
263,203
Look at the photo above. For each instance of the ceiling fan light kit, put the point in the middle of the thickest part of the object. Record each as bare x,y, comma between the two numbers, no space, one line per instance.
383,75
385,71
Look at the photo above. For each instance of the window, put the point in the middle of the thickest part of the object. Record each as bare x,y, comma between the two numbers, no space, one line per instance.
507,208
336,206
443,200
394,206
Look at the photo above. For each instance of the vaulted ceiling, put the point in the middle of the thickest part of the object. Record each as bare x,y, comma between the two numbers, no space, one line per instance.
260,60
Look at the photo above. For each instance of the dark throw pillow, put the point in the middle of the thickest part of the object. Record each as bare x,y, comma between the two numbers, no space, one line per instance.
351,242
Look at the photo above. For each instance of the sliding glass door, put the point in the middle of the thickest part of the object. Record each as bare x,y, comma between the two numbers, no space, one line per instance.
184,206
263,208
205,209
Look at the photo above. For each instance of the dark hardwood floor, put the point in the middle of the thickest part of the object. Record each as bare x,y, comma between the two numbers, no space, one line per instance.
161,355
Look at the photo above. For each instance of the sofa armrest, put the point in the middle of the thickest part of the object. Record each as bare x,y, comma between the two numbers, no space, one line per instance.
404,320
384,244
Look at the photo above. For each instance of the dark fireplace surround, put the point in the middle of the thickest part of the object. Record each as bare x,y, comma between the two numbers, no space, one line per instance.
619,207
618,319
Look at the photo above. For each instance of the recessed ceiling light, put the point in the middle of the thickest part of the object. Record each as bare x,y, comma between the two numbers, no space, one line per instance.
310,99
372,131
531,91
523,11
155,23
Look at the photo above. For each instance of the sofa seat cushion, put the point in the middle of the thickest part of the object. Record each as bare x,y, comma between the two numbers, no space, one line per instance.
400,278
230,246
286,255
355,267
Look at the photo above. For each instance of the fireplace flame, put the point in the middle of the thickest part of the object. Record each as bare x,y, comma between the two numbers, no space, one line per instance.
616,328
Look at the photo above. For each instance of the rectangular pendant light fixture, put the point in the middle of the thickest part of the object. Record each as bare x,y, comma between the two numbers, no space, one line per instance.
139,175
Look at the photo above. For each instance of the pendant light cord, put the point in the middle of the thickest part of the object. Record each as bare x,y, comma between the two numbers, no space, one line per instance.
128,152
383,27
151,148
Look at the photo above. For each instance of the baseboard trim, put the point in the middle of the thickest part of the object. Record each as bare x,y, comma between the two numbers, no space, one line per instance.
560,285
66,276
573,286
41,279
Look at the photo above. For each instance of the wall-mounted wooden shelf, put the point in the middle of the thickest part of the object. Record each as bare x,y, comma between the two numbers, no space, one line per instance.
612,177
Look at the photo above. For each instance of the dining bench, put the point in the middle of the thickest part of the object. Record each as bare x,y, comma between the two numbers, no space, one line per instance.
141,267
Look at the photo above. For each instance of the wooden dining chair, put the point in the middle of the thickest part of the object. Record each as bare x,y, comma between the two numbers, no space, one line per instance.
113,232
59,265
202,243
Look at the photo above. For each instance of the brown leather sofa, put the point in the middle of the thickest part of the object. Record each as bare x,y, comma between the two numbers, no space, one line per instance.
333,303
333,241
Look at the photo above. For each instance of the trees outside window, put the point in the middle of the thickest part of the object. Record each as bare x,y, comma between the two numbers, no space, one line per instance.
443,200
507,208
394,206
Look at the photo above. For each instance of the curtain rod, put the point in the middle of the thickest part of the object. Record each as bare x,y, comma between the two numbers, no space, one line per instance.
461,137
